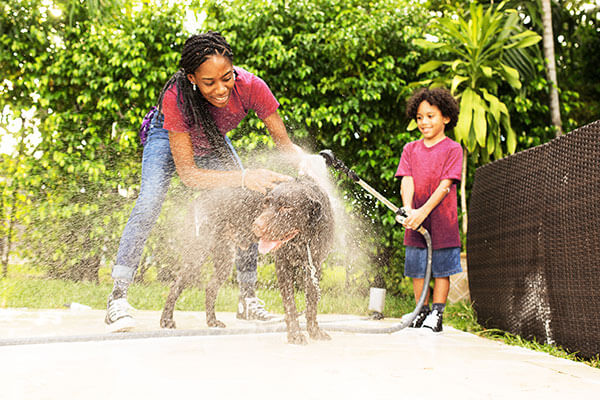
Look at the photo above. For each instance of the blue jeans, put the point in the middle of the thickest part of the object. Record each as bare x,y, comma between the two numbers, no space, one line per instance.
158,168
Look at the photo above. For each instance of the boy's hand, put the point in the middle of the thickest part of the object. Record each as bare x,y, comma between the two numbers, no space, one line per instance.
415,218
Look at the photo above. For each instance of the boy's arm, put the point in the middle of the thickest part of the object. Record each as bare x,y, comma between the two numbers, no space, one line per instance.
416,217
407,191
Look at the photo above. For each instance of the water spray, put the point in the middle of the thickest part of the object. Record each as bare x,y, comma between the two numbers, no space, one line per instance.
401,216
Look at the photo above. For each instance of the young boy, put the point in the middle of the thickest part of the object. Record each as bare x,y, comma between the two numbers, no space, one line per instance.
430,169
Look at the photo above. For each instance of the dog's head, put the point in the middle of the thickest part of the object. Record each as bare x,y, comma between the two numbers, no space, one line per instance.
292,209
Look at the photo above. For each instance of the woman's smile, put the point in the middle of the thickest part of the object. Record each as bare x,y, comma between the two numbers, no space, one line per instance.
215,80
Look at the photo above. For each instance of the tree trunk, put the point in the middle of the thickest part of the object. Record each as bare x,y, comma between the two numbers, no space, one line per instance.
548,42
463,193
11,224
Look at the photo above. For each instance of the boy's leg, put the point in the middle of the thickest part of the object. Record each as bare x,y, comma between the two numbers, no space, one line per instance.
249,305
415,263
440,295
441,288
446,262
418,288
157,169
424,312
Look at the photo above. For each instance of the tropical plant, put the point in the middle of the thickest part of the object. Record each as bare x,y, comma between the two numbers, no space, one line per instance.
479,42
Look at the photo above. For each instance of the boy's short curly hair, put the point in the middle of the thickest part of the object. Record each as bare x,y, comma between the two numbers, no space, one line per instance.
439,97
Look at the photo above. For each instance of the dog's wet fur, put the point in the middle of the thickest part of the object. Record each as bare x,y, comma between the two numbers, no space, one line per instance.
294,222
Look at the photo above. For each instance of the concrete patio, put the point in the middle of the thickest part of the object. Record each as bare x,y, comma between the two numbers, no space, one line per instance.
412,363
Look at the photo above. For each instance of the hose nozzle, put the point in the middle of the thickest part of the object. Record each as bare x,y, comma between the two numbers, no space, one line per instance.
332,161
401,215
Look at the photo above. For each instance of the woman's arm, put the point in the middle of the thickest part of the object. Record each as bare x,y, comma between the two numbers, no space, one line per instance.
190,174
259,180
278,132
307,164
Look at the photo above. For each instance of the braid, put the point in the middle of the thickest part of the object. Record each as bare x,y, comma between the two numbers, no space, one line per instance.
193,105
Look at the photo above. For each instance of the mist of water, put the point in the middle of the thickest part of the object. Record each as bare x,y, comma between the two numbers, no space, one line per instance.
351,254
352,243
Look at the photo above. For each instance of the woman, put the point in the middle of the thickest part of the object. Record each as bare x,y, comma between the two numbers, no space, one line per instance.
204,100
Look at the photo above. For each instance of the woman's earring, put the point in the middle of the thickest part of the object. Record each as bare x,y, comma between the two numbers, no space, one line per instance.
194,85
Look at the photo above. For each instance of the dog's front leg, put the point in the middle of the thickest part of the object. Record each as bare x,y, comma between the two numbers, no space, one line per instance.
312,300
286,287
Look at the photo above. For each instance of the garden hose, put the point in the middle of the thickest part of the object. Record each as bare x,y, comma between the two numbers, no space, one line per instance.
401,215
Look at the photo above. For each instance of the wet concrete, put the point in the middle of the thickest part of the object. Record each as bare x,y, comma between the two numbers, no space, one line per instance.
412,363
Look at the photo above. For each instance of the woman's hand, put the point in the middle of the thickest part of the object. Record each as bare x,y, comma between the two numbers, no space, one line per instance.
262,180
313,165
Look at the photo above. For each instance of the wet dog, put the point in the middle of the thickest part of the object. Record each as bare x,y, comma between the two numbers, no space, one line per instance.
294,222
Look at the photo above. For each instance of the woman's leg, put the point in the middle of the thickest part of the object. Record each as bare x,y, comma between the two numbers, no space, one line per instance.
157,170
246,261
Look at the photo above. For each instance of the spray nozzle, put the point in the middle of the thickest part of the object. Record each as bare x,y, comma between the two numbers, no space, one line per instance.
332,161
401,215
328,156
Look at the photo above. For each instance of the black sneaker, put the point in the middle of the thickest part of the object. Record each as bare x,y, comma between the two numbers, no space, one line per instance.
118,318
434,321
253,308
418,321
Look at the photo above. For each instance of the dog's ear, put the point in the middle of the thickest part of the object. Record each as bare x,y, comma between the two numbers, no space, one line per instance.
314,211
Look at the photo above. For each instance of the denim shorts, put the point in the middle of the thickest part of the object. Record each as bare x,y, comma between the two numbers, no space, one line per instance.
444,262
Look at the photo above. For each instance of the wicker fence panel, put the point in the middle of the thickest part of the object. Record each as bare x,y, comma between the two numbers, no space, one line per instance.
533,243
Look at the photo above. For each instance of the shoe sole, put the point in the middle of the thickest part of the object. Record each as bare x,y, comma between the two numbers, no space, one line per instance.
262,321
125,324
429,329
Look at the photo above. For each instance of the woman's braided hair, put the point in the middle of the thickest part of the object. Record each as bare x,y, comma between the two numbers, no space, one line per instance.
194,106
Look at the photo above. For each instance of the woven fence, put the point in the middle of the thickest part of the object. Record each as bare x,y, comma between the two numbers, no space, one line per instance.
533,242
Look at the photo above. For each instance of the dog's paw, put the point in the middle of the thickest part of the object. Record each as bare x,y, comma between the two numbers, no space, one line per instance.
167,323
318,334
296,338
215,324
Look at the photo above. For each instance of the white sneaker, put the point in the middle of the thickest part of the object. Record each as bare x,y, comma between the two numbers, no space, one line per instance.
253,308
118,317
420,318
434,321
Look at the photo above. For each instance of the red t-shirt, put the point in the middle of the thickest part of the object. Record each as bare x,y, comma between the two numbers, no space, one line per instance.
249,93
428,166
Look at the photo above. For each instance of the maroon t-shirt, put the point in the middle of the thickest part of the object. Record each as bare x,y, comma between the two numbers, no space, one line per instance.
428,166
249,93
